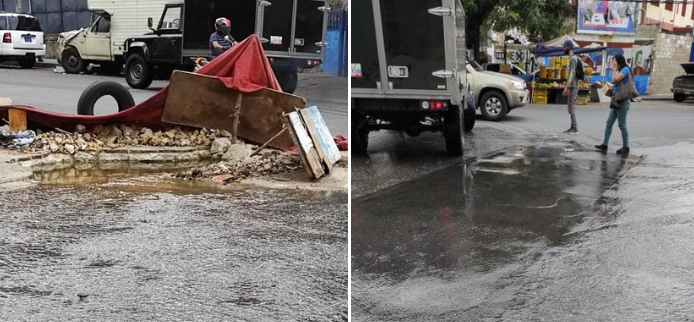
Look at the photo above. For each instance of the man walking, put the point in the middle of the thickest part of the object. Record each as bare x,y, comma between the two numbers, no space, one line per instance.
571,90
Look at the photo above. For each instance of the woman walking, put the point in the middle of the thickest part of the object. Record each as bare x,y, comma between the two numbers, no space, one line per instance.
620,77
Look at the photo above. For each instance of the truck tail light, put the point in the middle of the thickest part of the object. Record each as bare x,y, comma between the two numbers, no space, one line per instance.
7,38
434,105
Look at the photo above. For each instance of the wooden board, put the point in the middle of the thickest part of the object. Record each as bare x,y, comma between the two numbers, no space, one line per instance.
320,134
203,101
17,119
304,144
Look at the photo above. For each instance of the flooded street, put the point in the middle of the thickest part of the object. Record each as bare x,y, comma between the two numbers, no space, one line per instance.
530,225
425,247
138,249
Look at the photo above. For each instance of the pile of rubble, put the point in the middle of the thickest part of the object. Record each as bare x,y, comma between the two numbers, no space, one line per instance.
115,136
232,162
235,163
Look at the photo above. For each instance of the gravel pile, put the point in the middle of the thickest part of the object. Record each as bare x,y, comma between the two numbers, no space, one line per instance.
235,163
115,136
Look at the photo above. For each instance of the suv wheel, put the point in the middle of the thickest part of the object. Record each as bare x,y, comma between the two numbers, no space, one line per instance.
138,73
453,131
680,98
72,61
27,63
493,106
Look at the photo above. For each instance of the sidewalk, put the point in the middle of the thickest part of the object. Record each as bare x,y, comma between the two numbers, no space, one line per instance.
658,97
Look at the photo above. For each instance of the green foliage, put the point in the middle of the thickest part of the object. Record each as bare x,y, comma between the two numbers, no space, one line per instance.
538,19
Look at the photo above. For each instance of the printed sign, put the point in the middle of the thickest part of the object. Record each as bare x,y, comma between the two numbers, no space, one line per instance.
301,132
325,139
606,17
356,70
275,40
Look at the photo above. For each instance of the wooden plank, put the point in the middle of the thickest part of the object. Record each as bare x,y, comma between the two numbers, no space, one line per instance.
203,101
18,119
304,144
314,136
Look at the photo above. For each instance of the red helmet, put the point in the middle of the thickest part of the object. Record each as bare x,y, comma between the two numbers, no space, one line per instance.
222,25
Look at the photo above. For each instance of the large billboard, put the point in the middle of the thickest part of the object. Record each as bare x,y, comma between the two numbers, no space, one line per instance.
606,17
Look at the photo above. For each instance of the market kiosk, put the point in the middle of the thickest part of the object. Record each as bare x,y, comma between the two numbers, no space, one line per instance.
551,80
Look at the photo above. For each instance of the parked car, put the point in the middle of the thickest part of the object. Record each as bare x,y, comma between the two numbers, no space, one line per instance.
22,39
497,93
683,86
515,71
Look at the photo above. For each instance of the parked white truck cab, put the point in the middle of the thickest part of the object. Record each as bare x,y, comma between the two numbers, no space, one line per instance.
102,43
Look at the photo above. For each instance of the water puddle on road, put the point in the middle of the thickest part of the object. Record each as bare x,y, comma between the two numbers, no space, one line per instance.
430,238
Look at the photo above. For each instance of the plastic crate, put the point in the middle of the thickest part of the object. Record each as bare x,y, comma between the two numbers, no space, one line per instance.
582,100
539,99
540,91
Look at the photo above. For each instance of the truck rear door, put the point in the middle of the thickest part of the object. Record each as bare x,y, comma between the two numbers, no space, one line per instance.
405,48
26,32
293,29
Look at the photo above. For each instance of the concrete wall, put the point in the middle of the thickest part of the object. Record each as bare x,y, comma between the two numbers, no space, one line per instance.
669,52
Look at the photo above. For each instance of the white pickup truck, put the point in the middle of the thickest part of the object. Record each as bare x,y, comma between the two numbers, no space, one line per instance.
103,42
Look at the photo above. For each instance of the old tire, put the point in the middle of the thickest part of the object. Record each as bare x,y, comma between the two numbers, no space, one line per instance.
680,98
360,134
288,80
27,63
138,73
72,61
469,116
97,90
453,130
493,106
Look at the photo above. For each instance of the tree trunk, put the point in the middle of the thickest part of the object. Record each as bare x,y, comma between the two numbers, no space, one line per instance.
473,34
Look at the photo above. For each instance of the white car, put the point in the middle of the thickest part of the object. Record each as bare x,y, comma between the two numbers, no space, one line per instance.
22,39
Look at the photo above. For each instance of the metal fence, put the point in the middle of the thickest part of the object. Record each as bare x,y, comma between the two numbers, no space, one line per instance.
336,54
55,16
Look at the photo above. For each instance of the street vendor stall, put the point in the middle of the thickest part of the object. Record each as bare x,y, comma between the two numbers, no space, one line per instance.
551,80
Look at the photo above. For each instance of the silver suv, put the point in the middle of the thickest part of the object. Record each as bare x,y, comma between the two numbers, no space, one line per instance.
498,93
22,39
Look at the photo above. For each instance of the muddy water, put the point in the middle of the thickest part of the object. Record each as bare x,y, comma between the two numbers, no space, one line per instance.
143,250
447,246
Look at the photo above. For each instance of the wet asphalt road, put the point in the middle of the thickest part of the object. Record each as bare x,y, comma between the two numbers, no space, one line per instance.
141,250
57,92
531,225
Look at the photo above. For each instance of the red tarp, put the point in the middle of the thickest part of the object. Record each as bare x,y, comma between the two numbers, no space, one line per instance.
244,68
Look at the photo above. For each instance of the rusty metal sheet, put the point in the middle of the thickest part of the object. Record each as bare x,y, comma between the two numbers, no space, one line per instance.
203,101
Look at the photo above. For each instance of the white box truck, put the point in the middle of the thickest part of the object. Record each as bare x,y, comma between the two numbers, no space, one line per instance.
103,42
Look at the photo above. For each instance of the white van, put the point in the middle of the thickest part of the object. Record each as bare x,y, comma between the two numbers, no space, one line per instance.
102,43
22,39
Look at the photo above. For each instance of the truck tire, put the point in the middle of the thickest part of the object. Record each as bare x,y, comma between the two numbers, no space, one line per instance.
288,79
493,106
469,115
72,61
680,98
27,63
360,139
138,73
453,130
99,89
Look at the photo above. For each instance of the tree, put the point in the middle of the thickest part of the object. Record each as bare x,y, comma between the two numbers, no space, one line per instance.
538,19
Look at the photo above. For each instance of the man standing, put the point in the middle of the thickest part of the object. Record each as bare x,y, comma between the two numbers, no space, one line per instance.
571,89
